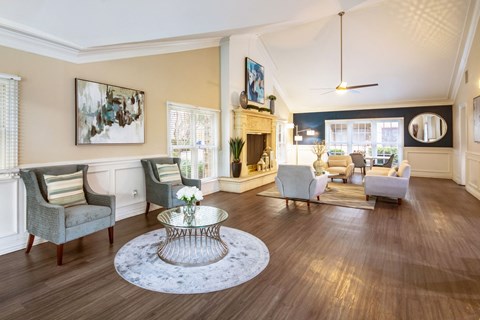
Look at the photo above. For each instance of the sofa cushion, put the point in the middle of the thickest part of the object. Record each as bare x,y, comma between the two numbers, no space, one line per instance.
66,189
168,173
392,172
404,170
337,163
77,215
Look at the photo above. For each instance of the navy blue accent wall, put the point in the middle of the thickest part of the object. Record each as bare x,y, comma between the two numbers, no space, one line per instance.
316,121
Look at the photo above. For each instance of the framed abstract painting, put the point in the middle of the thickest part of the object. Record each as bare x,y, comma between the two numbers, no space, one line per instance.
254,81
107,114
476,119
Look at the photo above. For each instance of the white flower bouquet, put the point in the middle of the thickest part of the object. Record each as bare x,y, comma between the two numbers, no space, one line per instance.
190,195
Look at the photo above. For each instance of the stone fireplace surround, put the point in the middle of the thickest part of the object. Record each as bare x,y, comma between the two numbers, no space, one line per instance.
251,122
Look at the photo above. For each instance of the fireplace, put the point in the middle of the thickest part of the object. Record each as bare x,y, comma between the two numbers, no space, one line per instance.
256,143
258,131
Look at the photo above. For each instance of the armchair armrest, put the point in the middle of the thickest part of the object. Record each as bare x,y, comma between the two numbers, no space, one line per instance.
192,182
349,170
43,219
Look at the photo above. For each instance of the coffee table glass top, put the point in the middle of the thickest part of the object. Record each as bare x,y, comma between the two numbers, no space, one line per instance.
204,216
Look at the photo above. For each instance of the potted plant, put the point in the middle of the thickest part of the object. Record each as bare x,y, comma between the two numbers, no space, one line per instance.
236,146
272,99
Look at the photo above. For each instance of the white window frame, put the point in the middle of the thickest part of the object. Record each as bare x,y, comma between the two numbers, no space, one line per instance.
281,141
374,142
9,124
194,111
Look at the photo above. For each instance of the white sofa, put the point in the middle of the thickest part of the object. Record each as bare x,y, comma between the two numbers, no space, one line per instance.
343,166
388,182
298,182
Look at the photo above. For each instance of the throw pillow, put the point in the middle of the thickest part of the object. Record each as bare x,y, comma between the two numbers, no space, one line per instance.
65,190
337,163
392,172
168,173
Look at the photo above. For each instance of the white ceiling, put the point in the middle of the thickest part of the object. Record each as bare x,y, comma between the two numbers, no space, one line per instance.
414,49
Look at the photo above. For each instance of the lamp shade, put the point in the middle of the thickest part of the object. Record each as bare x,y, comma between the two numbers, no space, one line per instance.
298,138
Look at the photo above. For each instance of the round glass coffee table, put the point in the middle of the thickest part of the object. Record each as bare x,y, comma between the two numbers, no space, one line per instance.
192,240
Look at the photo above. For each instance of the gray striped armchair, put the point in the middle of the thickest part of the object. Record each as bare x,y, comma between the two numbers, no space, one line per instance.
163,193
60,223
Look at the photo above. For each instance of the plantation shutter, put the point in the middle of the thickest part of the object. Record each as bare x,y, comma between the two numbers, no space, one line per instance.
8,122
180,128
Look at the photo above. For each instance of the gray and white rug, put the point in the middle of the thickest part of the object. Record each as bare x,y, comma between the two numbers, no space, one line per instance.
138,263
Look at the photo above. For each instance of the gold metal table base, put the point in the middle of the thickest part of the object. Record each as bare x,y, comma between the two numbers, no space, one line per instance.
192,246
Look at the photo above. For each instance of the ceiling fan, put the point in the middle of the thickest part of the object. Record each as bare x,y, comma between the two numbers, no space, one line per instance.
342,87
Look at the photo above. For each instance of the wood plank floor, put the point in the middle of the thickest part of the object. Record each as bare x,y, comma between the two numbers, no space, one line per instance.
420,260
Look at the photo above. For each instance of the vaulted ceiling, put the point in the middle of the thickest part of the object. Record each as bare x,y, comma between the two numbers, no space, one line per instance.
414,49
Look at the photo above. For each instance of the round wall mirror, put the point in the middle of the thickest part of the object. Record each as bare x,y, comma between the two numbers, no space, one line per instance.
427,127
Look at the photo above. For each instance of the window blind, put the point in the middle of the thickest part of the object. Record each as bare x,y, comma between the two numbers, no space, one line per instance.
8,122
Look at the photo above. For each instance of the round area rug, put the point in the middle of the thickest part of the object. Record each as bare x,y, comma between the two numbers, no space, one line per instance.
138,263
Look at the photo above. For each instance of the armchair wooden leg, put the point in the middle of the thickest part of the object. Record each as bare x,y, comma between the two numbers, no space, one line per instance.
344,180
399,201
308,204
367,197
148,208
110,234
318,198
286,202
59,254
31,237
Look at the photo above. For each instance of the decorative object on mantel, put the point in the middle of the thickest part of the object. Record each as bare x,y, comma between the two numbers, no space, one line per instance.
319,149
107,114
236,146
254,84
272,99
253,108
243,100
266,110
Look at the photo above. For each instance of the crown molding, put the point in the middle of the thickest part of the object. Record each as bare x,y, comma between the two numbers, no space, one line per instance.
464,49
41,45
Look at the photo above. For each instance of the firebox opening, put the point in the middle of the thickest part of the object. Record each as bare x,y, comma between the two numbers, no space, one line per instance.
256,144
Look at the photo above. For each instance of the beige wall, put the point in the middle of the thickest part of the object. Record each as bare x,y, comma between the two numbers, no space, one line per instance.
47,99
469,91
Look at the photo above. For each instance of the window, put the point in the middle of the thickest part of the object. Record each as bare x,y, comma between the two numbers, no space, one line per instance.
8,123
373,137
337,137
192,137
281,142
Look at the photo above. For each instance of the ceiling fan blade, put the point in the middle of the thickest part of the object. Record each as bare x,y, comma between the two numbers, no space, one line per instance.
333,90
362,86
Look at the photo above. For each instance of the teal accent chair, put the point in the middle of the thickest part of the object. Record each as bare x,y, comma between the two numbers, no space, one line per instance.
164,193
58,224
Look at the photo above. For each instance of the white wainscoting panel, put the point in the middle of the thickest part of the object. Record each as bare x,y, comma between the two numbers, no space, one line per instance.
430,162
123,178
473,174
8,207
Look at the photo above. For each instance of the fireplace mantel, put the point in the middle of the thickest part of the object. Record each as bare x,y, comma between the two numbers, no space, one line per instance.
254,122
251,122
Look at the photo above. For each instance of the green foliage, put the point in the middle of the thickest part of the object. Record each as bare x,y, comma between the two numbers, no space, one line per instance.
336,152
236,146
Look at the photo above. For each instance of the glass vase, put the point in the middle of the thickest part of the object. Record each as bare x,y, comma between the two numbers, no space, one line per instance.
189,209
